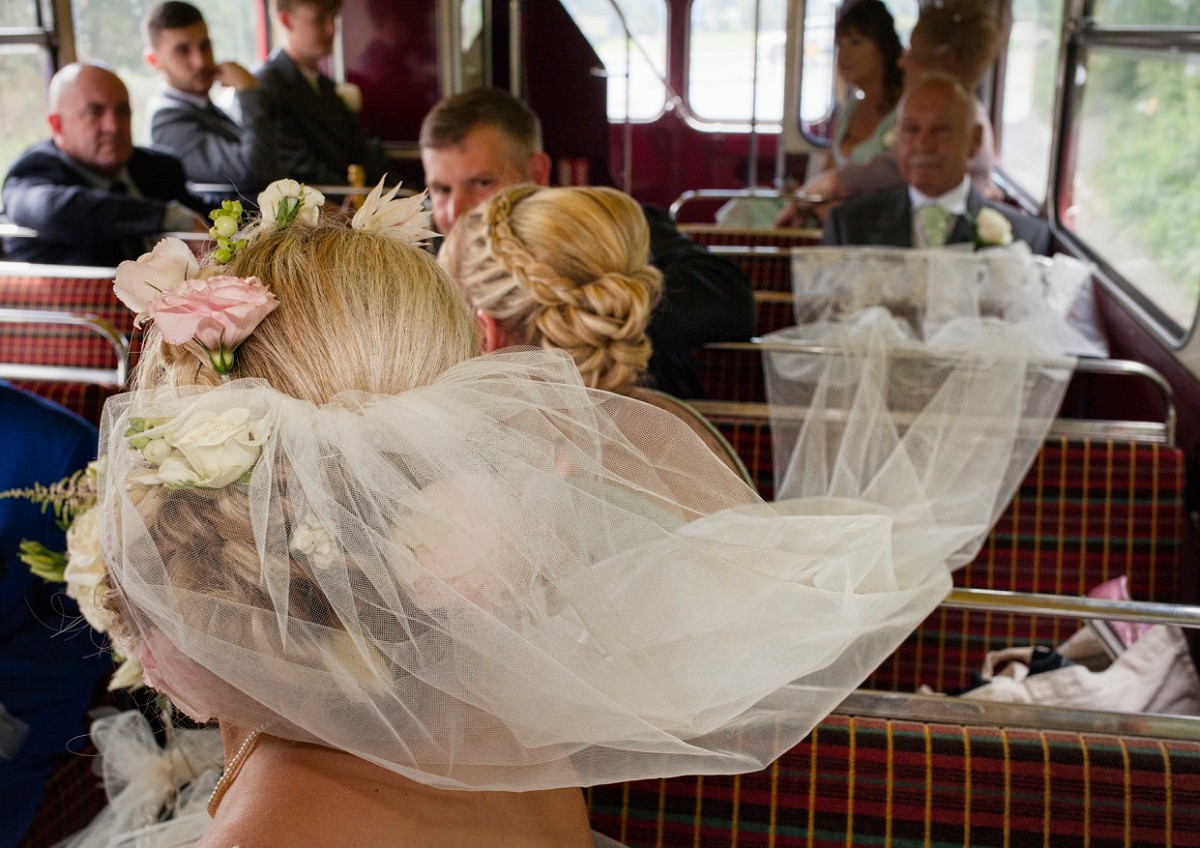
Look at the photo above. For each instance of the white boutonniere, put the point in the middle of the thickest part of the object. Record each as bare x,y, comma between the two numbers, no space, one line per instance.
990,229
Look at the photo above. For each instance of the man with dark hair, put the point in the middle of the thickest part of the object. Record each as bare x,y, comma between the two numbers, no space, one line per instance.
938,135
475,143
317,135
92,197
213,147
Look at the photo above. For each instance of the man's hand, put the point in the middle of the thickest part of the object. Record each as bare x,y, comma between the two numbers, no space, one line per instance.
234,76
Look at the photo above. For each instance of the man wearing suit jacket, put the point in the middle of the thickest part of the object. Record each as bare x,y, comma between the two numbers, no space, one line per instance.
92,197
213,147
318,136
938,135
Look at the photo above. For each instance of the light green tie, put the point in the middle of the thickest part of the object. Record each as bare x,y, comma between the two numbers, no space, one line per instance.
932,220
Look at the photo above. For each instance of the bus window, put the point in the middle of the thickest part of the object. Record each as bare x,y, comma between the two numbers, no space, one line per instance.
1029,77
1133,195
1178,13
24,70
110,31
641,58
721,60
819,87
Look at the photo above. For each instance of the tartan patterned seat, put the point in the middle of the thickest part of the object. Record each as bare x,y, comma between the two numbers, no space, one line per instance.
767,268
73,797
732,371
83,291
860,781
773,311
1086,512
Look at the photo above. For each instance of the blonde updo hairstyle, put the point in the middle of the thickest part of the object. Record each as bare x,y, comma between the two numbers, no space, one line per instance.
564,268
357,311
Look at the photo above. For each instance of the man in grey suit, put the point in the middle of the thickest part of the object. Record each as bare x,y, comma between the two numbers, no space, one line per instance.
938,135
213,147
319,137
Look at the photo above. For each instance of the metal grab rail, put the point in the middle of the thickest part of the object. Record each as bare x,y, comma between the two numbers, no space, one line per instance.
1162,432
114,377
1071,606
965,711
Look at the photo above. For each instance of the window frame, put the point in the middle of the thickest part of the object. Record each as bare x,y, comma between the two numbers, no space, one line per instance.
1081,32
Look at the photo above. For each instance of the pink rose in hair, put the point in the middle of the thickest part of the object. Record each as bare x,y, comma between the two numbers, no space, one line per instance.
140,282
218,313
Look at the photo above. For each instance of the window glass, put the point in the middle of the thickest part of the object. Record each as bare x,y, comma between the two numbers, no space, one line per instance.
24,71
643,61
18,13
721,60
1147,12
110,30
820,89
1029,76
1133,196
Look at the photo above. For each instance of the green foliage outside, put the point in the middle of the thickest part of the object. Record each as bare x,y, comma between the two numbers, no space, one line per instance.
1143,113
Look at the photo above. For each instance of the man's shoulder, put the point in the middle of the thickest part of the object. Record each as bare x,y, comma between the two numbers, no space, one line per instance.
39,158
277,71
157,158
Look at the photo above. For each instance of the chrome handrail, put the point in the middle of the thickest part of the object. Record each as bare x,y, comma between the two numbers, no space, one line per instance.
114,377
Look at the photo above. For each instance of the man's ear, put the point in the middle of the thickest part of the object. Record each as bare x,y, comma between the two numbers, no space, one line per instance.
494,336
150,55
285,19
54,119
539,168
976,139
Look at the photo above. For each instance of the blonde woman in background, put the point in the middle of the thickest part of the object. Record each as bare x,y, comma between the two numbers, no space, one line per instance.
569,268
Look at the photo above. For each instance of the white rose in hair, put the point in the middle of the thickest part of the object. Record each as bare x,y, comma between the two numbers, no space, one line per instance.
212,449
285,201
992,229
140,282
85,573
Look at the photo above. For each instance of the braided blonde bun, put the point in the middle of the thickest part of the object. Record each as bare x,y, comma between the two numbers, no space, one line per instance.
563,268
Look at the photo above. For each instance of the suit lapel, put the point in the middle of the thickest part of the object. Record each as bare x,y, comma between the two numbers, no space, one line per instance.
961,232
894,224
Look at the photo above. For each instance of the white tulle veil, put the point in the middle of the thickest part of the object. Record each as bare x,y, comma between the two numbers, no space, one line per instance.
506,580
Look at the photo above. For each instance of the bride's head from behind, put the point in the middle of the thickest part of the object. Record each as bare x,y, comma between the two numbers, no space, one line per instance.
358,311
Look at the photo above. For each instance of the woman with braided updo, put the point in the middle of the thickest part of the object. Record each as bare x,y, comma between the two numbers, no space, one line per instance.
569,268
563,268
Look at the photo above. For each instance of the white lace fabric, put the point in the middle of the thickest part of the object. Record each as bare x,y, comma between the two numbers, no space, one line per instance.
930,288
508,581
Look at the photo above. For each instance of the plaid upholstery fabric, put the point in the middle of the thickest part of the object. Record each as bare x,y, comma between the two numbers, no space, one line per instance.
710,234
751,438
767,268
46,344
773,313
1086,512
867,781
73,797
732,374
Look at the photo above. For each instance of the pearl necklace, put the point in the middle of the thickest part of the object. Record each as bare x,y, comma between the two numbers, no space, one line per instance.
231,770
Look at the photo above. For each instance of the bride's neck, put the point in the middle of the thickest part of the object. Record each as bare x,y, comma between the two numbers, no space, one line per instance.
288,793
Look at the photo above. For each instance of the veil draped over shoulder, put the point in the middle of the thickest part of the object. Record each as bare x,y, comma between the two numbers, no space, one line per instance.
506,580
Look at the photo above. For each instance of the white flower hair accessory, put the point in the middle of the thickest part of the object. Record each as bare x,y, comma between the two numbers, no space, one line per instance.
404,218
991,229
285,201
207,449
81,567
